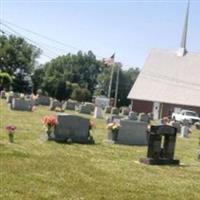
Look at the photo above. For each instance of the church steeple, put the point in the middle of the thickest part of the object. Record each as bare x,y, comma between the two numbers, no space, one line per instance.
182,49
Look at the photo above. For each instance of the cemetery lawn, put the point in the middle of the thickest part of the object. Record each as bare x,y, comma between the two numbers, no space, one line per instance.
34,169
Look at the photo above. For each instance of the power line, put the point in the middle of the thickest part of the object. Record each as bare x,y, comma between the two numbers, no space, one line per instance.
30,40
51,39
42,36
45,37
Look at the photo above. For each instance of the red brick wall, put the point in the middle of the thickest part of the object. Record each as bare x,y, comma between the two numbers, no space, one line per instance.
147,106
142,106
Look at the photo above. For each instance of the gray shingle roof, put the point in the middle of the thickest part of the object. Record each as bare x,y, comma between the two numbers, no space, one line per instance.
168,78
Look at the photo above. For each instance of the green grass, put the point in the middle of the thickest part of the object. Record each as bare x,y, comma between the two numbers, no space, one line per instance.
35,169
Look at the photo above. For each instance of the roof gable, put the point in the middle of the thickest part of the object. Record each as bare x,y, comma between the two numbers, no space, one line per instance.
169,78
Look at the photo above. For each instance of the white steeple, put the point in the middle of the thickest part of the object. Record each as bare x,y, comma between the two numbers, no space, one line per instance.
182,50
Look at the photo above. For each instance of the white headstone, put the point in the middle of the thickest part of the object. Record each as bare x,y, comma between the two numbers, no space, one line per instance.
185,131
98,112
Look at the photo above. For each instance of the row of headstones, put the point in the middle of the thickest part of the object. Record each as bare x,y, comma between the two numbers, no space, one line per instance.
127,112
26,102
116,111
133,130
86,108
76,129
72,128
23,102
18,101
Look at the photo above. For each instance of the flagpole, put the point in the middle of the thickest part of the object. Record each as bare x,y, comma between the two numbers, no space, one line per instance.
110,84
116,87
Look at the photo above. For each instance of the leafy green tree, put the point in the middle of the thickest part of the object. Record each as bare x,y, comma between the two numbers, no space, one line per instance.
126,81
17,58
81,69
5,81
37,79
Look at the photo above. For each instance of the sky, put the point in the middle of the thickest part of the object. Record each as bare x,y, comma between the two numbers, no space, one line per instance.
128,28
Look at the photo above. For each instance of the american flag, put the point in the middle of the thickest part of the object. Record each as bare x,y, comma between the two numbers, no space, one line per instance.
109,61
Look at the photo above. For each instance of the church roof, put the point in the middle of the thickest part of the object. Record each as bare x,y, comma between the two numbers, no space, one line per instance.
169,78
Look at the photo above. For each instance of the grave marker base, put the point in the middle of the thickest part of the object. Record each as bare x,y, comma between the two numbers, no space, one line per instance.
151,161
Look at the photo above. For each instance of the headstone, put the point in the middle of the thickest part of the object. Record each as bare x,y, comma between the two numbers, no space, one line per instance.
159,153
90,106
112,118
55,104
98,112
143,117
28,97
16,95
9,97
21,104
114,111
43,100
72,127
107,109
185,131
185,128
85,109
70,105
150,115
132,115
197,125
3,94
132,132
176,125
102,101
125,110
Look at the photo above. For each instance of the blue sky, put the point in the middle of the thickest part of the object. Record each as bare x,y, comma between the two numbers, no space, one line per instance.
128,28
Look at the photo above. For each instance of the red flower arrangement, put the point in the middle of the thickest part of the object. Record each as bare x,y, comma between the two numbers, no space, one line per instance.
11,129
49,121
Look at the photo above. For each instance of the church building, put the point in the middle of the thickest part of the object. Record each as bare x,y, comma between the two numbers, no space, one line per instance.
169,81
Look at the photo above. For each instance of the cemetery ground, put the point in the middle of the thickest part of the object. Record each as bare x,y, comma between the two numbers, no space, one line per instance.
32,168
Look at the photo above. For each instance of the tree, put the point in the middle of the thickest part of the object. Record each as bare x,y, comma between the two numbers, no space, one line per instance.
81,94
81,69
126,81
37,79
18,58
5,81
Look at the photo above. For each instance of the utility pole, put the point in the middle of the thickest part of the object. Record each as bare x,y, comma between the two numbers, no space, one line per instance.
116,86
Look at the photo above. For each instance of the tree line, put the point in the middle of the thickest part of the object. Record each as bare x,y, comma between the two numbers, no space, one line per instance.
77,76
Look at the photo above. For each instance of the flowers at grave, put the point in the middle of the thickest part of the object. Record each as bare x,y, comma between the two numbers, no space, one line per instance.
49,122
11,131
114,127
92,124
